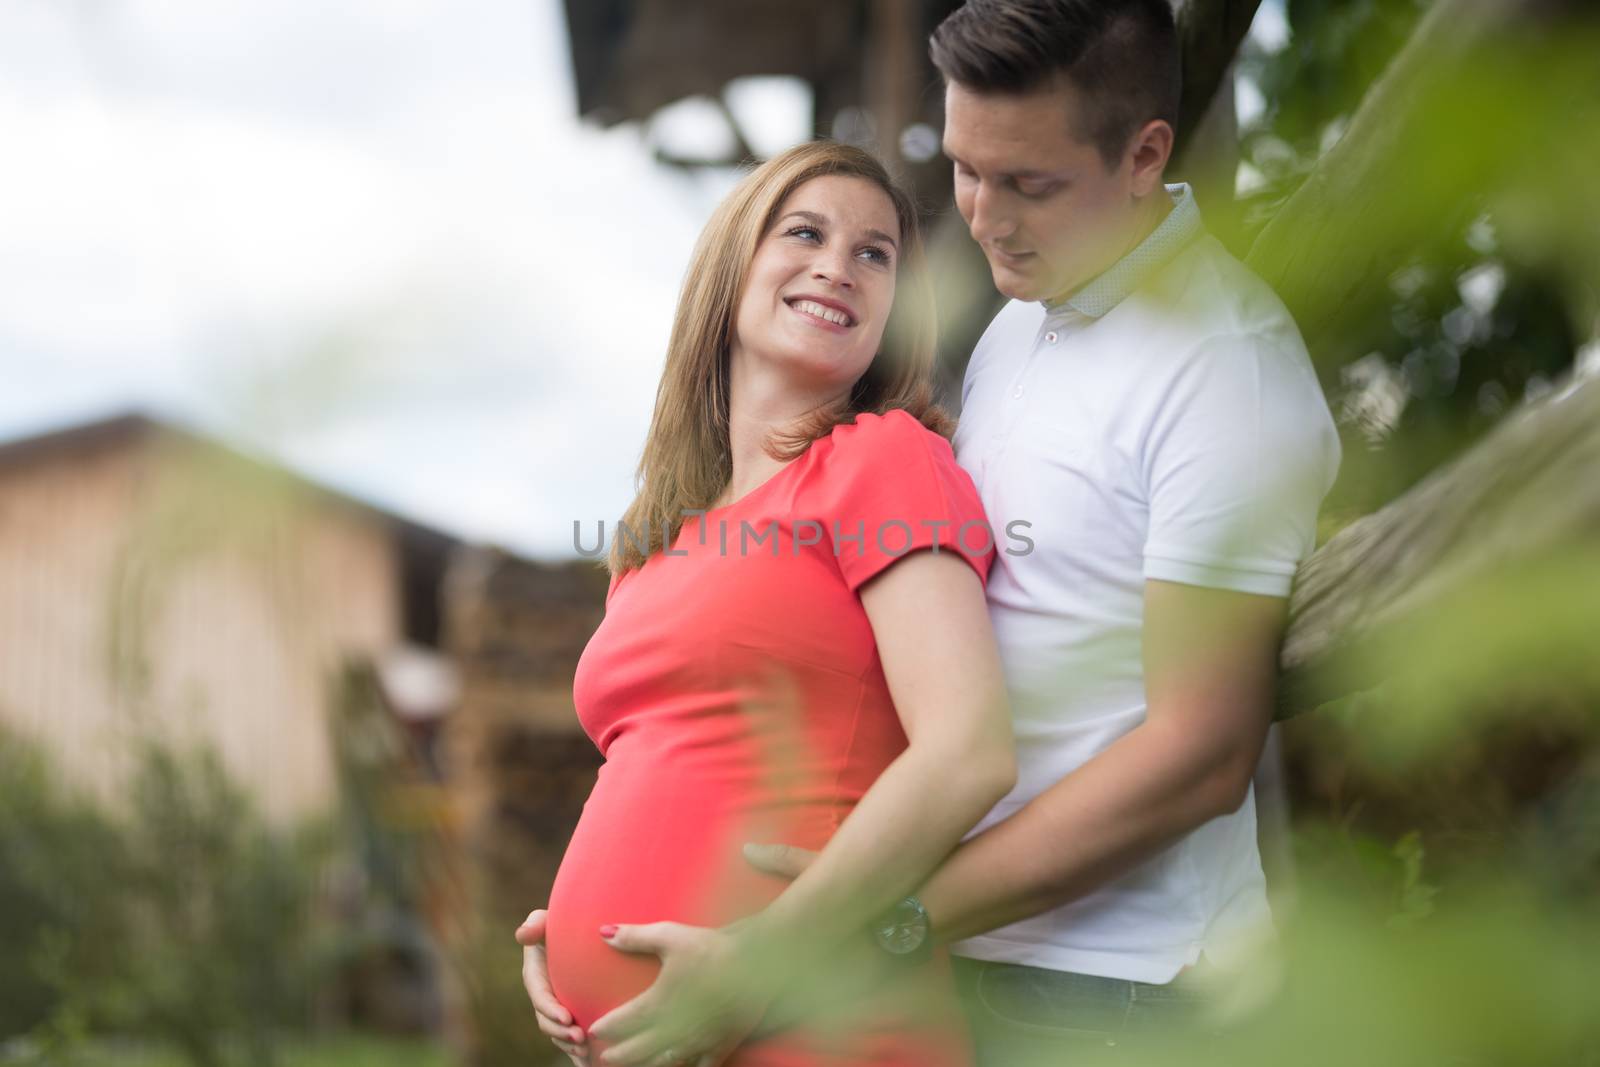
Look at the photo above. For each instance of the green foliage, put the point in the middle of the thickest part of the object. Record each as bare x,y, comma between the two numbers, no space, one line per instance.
219,912
338,1050
1492,975
58,891
1485,301
185,918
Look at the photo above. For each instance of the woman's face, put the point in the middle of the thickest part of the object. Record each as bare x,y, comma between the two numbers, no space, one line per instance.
820,287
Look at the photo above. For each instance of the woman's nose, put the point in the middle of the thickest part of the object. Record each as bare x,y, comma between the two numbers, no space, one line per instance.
836,268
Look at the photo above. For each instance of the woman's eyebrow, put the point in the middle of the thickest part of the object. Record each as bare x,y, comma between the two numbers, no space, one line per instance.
809,216
879,235
822,220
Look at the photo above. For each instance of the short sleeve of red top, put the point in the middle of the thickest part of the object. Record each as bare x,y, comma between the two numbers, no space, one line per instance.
894,487
735,690
877,490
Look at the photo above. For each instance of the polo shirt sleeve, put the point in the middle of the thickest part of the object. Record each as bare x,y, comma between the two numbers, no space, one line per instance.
1241,451
891,487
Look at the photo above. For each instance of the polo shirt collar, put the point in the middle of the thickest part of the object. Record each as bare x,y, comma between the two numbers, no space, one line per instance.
1109,289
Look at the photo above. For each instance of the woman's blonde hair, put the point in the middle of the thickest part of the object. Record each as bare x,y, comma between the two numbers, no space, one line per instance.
687,460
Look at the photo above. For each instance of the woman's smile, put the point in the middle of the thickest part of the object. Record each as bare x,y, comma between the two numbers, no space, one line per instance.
826,314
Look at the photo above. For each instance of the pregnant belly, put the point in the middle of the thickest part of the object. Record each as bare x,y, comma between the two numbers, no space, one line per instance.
656,846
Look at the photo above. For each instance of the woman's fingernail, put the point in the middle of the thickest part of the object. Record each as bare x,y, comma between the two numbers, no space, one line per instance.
608,931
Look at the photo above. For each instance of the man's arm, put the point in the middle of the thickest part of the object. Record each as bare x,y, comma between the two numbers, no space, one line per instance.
1210,664
1210,661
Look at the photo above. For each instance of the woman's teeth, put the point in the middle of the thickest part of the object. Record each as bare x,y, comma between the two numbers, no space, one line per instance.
822,311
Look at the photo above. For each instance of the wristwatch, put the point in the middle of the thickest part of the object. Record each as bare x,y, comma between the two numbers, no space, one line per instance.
904,932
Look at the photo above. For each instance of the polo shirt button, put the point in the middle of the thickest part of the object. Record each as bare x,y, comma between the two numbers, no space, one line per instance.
1051,337
1017,392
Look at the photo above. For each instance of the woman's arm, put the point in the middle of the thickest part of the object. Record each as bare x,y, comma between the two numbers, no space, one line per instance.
939,658
940,661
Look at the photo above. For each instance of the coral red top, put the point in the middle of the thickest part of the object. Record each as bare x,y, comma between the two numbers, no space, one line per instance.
735,691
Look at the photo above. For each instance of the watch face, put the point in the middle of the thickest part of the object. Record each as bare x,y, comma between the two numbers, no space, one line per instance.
905,928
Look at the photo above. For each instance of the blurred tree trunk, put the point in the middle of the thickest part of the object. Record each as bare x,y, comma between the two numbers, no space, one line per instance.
1527,493
1211,32
1393,178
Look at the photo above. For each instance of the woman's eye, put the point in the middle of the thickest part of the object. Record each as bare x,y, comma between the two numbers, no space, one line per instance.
876,254
808,233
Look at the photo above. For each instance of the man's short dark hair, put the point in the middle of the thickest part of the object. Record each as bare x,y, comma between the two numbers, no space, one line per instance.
1121,55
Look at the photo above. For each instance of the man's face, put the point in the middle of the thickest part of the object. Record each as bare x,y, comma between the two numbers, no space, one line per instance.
1041,203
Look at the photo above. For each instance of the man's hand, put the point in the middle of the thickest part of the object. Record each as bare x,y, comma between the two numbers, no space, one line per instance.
705,1001
860,974
555,1021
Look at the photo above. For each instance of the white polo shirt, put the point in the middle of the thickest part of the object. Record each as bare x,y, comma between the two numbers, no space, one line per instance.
1163,423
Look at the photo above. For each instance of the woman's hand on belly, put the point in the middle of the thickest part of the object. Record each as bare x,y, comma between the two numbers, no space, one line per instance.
709,995
554,1020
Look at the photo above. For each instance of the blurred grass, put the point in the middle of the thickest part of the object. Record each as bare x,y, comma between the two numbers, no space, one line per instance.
341,1050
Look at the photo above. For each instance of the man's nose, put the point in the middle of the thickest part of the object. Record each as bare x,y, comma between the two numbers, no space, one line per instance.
992,219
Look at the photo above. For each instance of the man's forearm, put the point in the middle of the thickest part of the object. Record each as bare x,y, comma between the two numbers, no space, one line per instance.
884,848
1123,806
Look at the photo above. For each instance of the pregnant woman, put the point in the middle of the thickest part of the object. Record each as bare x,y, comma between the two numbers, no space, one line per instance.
795,647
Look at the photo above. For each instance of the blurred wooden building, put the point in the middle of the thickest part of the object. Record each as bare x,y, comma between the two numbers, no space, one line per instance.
158,584
155,583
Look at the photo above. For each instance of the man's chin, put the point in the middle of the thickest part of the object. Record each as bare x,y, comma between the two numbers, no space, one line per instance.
1016,286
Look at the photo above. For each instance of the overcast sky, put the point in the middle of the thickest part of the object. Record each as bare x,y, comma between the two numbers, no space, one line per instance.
369,238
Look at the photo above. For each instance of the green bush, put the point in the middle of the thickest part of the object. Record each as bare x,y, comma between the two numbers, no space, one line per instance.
58,858
219,908
184,917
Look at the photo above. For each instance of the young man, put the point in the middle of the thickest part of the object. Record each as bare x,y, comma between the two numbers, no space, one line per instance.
1147,406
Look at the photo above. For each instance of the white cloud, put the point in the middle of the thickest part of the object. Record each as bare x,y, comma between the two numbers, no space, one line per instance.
370,235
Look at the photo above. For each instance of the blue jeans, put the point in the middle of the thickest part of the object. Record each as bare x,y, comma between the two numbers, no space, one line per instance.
1022,1016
